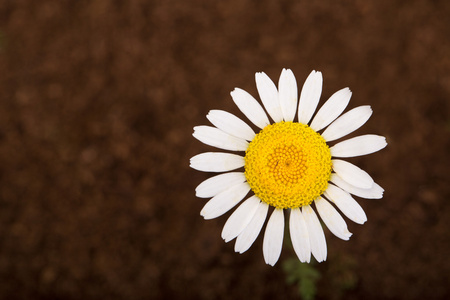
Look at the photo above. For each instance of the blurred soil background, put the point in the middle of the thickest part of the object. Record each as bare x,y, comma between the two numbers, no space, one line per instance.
97,104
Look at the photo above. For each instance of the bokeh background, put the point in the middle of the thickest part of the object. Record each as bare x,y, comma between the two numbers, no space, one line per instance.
97,104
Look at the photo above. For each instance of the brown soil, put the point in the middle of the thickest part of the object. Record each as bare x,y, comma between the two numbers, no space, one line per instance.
98,100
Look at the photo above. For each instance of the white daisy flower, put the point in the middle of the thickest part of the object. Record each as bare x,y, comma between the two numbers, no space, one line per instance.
287,165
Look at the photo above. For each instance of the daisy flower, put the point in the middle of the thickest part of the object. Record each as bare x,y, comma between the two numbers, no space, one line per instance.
288,165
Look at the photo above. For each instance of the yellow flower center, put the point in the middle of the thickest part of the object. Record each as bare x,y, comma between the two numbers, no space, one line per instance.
288,165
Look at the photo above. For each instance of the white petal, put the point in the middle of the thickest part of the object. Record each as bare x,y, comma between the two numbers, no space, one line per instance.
269,96
273,237
250,233
224,201
331,109
250,107
360,145
299,235
332,219
347,123
346,204
352,174
216,184
240,218
316,235
309,97
376,192
231,124
217,138
287,93
216,162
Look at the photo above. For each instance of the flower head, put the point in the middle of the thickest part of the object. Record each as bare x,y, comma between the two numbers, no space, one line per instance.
288,165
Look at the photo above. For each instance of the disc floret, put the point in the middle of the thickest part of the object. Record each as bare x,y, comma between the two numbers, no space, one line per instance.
288,165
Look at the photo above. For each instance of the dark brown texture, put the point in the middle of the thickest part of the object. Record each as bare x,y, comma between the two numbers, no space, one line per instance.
98,100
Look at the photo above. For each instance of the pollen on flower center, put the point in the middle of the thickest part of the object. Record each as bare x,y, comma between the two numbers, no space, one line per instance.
288,165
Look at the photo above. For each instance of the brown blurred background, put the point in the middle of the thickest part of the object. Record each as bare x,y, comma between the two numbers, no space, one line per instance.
98,100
